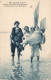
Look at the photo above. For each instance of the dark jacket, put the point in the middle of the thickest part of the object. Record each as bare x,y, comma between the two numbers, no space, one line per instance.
16,36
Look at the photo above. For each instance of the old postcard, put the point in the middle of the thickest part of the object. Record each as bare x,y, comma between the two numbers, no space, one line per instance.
25,39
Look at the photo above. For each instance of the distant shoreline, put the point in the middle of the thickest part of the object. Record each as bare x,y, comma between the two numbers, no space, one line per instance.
5,32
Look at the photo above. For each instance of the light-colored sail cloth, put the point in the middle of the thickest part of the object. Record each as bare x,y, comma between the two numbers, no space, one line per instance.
33,39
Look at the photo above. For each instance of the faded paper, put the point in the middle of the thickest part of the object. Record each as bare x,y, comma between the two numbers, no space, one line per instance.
23,11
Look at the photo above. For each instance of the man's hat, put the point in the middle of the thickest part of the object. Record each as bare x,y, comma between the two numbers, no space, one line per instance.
16,22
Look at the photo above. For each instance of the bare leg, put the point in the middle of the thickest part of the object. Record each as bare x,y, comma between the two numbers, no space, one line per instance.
12,59
13,56
37,52
37,58
31,59
32,53
19,57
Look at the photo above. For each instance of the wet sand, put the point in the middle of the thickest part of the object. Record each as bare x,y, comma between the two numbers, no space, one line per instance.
25,70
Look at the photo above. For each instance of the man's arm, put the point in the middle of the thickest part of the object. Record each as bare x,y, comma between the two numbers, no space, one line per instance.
12,35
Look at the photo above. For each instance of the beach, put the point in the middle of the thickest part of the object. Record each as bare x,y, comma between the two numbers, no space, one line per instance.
10,70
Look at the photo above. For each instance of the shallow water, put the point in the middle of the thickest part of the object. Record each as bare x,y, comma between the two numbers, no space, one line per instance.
35,71
25,70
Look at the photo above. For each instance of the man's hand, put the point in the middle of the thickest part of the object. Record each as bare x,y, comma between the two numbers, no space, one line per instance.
21,43
16,43
12,41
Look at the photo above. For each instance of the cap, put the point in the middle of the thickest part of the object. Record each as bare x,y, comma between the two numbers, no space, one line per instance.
16,22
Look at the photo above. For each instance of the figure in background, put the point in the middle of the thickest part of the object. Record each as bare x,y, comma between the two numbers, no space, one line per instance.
32,29
26,33
16,39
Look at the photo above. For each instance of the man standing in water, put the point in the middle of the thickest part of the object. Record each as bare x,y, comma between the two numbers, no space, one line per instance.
33,38
16,39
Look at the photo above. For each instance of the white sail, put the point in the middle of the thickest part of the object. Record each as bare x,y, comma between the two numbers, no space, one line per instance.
43,24
35,38
36,15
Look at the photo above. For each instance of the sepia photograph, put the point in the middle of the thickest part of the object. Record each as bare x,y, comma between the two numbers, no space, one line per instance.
25,39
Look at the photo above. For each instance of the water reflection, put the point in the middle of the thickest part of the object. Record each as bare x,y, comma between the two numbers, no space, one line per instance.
34,73
19,72
13,63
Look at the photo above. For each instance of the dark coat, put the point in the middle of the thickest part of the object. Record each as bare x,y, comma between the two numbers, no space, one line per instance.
17,36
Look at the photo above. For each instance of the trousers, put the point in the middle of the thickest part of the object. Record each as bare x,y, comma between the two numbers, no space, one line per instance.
35,50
